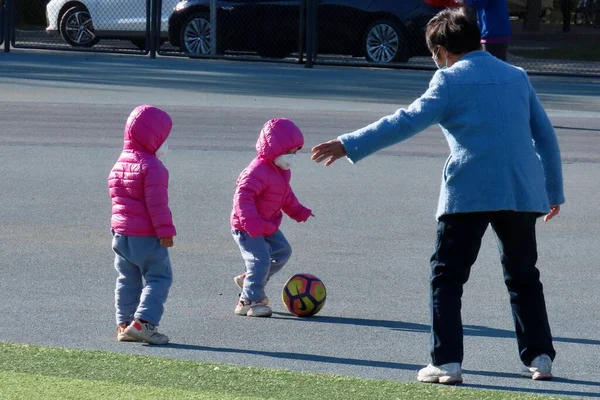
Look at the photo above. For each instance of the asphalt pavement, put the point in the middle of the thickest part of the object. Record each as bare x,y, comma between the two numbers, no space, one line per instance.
61,124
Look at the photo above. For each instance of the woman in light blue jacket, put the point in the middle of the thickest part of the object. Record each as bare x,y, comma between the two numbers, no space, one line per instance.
504,170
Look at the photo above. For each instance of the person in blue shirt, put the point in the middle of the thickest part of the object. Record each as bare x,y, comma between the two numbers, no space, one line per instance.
504,170
494,23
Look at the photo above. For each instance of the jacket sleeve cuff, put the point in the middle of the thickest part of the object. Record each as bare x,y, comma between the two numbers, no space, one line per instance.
166,232
351,147
303,215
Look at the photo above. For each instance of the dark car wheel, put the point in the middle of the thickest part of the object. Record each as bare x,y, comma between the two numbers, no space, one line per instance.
579,18
76,27
195,35
384,43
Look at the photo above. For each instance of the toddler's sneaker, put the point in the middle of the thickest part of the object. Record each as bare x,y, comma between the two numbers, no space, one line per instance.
253,308
122,336
239,280
147,332
540,368
446,373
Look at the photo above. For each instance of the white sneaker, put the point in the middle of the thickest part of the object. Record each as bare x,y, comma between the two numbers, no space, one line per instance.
540,368
147,332
239,280
122,336
253,308
446,373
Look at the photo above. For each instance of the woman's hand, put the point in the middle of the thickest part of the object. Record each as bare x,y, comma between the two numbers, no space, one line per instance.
332,150
554,210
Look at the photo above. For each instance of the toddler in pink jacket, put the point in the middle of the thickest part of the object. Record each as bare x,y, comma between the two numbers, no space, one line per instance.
262,192
142,226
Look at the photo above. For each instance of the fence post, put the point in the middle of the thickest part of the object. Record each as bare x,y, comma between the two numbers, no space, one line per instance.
311,8
157,24
7,14
213,27
302,31
149,29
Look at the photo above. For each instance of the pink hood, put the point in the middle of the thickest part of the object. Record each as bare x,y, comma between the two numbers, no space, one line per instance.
138,183
147,128
263,189
278,136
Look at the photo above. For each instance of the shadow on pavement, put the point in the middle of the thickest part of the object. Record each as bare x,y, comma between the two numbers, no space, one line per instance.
468,330
403,366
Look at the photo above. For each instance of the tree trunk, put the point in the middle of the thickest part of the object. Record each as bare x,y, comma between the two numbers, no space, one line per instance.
532,19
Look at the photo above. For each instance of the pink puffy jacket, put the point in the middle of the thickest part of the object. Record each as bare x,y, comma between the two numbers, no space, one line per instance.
138,183
263,189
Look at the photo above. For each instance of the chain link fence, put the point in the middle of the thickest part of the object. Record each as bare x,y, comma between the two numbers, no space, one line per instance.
119,26
386,33
246,30
2,22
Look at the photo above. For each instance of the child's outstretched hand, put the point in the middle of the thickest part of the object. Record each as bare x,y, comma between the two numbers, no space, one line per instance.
166,242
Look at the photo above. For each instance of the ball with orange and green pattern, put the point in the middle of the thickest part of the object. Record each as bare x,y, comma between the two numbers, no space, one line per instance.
304,295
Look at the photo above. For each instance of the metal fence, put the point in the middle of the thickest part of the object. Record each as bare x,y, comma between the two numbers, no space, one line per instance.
115,26
387,33
1,22
246,30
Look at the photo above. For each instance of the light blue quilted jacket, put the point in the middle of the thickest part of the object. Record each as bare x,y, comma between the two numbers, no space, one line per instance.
504,154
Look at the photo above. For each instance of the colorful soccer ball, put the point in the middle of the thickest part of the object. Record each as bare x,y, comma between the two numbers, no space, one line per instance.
304,295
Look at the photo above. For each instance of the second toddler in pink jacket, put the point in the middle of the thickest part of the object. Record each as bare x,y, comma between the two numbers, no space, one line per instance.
262,192
142,226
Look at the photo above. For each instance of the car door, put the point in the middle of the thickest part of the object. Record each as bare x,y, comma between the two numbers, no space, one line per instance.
340,24
118,15
263,24
166,10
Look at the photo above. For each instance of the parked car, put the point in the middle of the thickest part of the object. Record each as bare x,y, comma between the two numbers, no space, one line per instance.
29,13
518,8
382,31
82,23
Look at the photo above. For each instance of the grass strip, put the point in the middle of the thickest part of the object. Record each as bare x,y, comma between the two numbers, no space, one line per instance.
28,372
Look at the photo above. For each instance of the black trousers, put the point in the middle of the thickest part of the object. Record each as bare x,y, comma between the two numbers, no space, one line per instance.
498,50
457,246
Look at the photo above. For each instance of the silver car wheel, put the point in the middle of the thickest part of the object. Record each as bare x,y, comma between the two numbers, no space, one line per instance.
79,27
382,43
196,36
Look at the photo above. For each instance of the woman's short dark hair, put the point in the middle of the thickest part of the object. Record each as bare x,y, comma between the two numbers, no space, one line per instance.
455,30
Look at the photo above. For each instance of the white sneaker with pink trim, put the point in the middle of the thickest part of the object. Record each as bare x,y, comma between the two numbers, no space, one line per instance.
239,281
146,331
253,308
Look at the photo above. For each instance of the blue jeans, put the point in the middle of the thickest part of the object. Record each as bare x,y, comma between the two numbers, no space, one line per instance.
144,279
264,256
457,245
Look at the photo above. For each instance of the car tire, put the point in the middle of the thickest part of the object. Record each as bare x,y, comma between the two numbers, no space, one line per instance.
195,35
579,18
76,27
384,42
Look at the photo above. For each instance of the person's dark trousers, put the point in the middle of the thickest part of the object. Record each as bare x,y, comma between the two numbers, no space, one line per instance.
457,245
498,50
